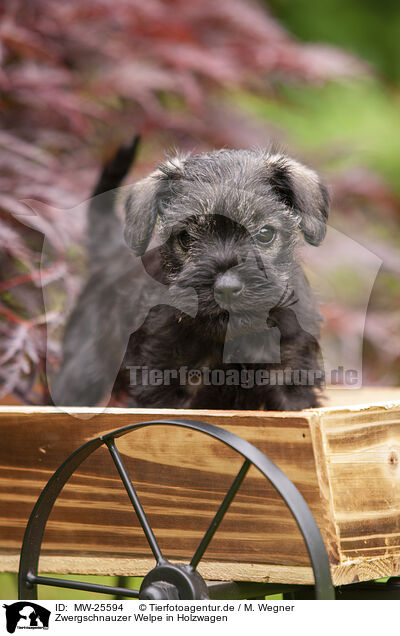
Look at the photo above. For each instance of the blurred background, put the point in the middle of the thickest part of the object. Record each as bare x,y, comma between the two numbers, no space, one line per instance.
78,78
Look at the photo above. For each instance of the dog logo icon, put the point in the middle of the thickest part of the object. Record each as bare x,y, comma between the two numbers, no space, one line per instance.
26,615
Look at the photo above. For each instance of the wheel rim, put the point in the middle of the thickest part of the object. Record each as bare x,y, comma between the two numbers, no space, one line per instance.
184,578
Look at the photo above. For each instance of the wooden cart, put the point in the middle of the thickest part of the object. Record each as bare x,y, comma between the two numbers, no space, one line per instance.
180,491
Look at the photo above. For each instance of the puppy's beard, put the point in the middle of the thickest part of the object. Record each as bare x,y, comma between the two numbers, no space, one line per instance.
245,314
244,323
184,298
221,324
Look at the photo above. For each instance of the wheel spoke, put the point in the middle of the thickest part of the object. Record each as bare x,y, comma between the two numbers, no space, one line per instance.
132,494
219,515
80,585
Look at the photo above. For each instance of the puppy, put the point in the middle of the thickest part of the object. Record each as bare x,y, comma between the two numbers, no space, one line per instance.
235,325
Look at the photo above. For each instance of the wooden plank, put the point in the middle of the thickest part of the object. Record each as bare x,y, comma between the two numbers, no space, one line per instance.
181,477
351,572
210,570
344,460
335,396
363,462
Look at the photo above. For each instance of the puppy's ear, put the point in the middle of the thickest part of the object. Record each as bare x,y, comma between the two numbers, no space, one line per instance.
300,188
145,200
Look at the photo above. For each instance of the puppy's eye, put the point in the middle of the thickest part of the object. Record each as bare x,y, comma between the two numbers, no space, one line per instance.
266,235
184,240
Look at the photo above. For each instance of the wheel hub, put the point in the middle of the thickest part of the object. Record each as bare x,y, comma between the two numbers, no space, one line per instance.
173,581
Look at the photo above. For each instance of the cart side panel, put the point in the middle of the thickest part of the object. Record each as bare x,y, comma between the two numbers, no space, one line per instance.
181,477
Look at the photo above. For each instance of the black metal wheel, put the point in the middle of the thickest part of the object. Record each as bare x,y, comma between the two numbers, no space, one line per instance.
170,580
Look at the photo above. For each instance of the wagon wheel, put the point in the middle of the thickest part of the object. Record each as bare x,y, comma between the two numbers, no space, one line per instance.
169,580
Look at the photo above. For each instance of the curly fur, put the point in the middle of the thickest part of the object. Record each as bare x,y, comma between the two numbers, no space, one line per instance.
208,211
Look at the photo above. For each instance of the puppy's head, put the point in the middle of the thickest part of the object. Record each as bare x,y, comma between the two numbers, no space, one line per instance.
230,222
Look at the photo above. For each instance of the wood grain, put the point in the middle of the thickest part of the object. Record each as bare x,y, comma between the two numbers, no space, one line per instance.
181,477
345,462
363,463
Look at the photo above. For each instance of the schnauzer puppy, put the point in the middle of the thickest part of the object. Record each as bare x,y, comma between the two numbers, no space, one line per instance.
238,325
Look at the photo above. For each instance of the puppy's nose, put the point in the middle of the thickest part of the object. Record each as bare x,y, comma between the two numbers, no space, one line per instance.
228,287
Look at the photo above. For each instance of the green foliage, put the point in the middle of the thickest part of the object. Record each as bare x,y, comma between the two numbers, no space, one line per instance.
347,123
368,28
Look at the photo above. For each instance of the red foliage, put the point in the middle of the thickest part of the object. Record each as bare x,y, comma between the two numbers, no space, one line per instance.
79,76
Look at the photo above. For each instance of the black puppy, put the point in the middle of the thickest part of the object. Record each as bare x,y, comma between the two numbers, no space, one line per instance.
203,318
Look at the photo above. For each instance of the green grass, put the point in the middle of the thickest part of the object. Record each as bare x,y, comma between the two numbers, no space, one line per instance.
9,587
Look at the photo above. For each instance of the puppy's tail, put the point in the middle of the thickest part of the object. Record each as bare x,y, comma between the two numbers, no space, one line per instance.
104,226
116,169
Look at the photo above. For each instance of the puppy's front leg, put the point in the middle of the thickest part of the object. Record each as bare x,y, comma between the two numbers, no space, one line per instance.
300,375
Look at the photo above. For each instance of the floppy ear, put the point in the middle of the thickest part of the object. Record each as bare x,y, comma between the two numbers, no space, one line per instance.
300,188
144,201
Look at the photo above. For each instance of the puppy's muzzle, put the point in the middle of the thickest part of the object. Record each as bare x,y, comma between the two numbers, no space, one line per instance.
228,288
